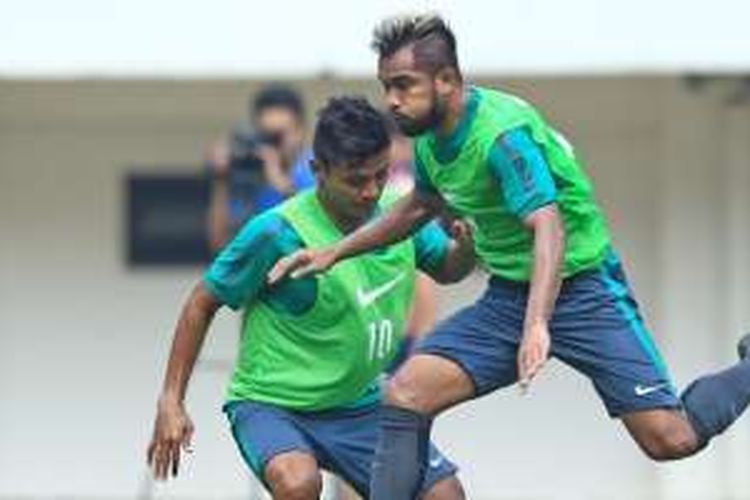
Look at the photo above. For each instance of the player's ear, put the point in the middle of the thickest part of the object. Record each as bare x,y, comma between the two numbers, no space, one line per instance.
446,80
319,169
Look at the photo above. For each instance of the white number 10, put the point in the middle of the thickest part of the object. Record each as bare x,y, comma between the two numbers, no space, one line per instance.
381,339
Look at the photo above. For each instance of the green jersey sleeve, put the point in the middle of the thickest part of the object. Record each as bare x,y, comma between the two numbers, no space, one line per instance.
237,275
431,245
520,167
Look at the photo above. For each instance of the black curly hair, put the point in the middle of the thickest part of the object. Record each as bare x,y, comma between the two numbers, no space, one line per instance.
349,130
277,96
432,39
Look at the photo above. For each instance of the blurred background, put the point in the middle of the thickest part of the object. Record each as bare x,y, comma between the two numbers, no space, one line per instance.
110,116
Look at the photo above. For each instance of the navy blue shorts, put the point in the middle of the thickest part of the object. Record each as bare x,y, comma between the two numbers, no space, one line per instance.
342,441
596,328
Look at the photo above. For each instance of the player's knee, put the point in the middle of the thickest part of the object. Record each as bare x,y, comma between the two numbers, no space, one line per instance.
290,487
294,481
446,489
402,391
669,442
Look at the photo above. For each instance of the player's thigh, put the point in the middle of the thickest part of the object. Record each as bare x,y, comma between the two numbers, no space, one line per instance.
467,355
347,439
264,432
429,384
597,328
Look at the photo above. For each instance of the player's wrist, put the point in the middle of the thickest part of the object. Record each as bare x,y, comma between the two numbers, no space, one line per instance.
336,252
535,324
169,399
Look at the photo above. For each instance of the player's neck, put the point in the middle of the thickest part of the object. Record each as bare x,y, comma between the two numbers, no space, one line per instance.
344,224
454,111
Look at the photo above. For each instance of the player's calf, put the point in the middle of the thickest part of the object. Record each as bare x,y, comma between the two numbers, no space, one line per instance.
421,388
294,476
662,434
743,347
710,405
713,402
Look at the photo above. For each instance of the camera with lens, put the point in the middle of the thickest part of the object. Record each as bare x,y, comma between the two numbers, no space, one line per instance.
244,145
246,173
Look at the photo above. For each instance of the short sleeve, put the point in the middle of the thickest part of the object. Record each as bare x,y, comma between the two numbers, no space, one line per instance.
238,273
431,245
522,170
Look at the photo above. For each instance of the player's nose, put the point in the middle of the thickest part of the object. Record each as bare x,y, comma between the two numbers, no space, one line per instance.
392,101
370,192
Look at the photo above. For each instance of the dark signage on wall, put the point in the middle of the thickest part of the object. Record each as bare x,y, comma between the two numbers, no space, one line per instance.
166,219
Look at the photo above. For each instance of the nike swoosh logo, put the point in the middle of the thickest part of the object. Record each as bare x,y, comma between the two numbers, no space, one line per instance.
449,198
644,391
365,298
436,462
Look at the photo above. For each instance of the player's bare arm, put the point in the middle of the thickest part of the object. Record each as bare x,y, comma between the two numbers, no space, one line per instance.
403,219
549,243
173,428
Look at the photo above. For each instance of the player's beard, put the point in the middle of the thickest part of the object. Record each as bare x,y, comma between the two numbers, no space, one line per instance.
412,127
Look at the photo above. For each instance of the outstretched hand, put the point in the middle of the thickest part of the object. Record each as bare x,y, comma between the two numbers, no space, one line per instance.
173,431
462,233
302,263
532,354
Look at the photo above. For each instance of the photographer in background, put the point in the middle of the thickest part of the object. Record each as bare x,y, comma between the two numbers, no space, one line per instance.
261,166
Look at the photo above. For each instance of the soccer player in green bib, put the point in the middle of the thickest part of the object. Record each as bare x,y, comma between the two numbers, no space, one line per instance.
305,390
556,288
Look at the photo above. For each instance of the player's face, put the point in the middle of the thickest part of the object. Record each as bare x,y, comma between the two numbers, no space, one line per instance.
353,191
410,93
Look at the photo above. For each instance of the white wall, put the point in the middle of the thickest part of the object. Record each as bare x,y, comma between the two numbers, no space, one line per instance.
233,37
83,339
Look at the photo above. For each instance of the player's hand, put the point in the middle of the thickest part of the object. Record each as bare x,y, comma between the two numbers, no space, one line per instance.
533,353
273,170
303,263
173,431
463,234
461,231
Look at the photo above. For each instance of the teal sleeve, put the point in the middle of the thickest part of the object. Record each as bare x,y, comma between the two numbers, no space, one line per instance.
421,180
238,274
523,172
431,245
